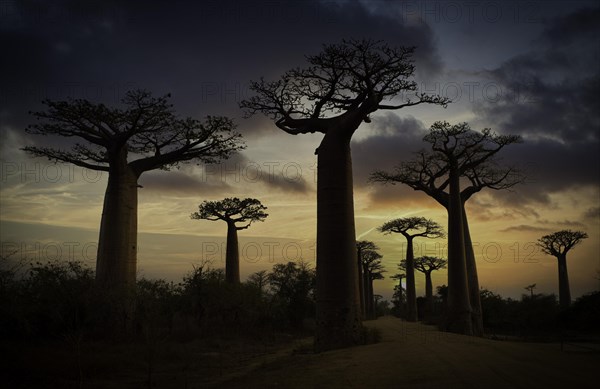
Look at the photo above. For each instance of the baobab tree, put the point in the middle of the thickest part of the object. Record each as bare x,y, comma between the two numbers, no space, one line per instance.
232,211
399,292
363,246
144,134
339,90
427,265
410,228
558,245
458,151
372,270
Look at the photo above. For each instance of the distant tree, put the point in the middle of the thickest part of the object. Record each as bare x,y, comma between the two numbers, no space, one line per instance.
292,285
232,211
372,270
410,228
457,152
427,265
144,135
399,293
558,245
334,95
530,288
260,280
362,246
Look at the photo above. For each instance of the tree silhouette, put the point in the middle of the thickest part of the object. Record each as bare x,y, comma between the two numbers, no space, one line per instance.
260,280
232,211
410,228
362,246
427,265
530,288
558,245
399,293
145,134
340,89
457,152
372,270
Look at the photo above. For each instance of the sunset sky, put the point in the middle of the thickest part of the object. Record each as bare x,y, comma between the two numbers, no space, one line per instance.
530,68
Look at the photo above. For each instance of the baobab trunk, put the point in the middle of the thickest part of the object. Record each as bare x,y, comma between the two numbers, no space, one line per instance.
338,321
473,279
366,279
116,263
459,307
232,255
411,293
428,295
564,291
361,286
371,299
400,298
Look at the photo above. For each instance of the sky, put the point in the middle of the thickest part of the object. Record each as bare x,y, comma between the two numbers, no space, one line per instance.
529,68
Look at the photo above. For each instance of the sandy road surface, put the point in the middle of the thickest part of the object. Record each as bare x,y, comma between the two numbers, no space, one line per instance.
412,355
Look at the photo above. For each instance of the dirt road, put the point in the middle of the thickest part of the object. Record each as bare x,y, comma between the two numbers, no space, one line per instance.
412,355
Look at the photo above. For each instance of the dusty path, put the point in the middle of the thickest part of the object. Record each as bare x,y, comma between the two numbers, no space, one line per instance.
416,356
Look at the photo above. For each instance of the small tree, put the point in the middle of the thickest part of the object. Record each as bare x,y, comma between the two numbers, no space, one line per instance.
558,245
232,211
410,228
144,135
427,265
372,270
338,91
361,247
399,294
530,288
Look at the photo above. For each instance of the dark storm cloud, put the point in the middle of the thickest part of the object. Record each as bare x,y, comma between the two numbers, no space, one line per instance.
205,53
526,228
554,103
180,183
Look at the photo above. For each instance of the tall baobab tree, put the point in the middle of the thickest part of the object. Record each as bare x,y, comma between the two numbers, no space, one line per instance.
458,152
339,90
361,247
558,245
144,134
232,211
411,228
427,265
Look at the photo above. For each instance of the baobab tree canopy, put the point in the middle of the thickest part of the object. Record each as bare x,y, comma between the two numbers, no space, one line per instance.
354,75
146,126
559,243
420,227
232,210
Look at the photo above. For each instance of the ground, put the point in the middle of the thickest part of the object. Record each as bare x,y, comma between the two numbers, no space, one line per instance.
412,355
409,355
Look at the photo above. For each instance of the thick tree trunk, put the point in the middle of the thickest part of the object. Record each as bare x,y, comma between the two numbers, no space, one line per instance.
232,255
428,295
117,243
459,307
473,279
564,291
361,285
411,292
338,321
